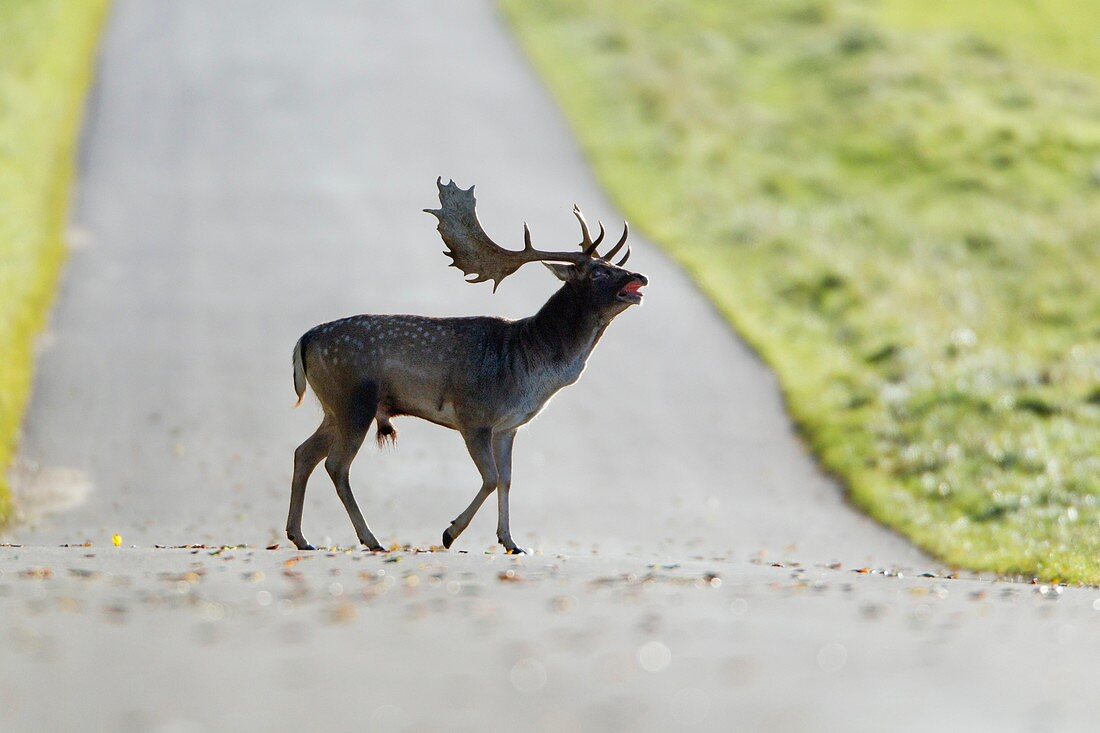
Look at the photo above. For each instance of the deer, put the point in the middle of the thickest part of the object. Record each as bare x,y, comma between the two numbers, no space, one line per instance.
483,376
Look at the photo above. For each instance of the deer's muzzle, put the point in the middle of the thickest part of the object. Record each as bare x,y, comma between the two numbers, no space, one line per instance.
631,292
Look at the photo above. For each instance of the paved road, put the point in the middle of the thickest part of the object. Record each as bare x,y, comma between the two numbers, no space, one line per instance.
253,168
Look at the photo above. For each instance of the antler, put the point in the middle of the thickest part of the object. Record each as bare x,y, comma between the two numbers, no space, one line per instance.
479,257
589,246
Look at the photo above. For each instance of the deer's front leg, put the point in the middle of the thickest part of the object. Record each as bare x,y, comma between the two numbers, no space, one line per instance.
502,452
480,444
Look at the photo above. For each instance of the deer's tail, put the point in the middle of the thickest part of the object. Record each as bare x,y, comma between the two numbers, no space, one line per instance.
300,369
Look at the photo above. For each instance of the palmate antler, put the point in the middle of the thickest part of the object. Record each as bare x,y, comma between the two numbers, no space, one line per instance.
480,258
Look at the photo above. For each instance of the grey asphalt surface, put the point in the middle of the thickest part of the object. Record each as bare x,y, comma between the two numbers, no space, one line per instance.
250,169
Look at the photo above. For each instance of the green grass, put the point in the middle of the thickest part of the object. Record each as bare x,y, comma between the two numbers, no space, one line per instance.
903,219
46,53
1049,32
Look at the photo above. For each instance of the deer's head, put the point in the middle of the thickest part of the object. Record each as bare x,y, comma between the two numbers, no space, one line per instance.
603,285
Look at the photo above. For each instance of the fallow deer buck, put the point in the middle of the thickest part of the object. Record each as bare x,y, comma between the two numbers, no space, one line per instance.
482,376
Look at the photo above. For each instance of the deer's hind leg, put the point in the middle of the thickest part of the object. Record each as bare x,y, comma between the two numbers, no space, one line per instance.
352,428
306,458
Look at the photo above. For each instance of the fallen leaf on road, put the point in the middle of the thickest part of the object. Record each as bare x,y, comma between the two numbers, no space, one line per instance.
116,540
273,547
115,613
82,573
37,573
563,604
344,613
872,611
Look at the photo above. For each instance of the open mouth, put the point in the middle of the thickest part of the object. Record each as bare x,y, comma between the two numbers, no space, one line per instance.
631,292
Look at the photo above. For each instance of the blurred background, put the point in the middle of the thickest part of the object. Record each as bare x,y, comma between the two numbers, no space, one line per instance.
894,202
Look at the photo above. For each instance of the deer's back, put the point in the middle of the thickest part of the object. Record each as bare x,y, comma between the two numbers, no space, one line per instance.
420,365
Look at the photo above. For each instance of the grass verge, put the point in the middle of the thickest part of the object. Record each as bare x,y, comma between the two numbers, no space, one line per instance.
1051,32
46,53
903,222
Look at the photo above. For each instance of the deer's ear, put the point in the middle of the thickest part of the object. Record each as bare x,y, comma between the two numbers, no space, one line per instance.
562,272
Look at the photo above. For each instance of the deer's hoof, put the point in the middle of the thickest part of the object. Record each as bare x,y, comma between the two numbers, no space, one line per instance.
373,546
448,538
514,550
300,543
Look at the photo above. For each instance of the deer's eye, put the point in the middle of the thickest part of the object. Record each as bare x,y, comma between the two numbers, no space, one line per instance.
599,274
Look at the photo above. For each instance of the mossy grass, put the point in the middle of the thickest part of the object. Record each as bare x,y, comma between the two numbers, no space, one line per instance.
47,50
903,220
1059,33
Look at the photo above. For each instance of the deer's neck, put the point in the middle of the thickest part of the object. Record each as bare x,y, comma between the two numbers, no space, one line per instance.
563,332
